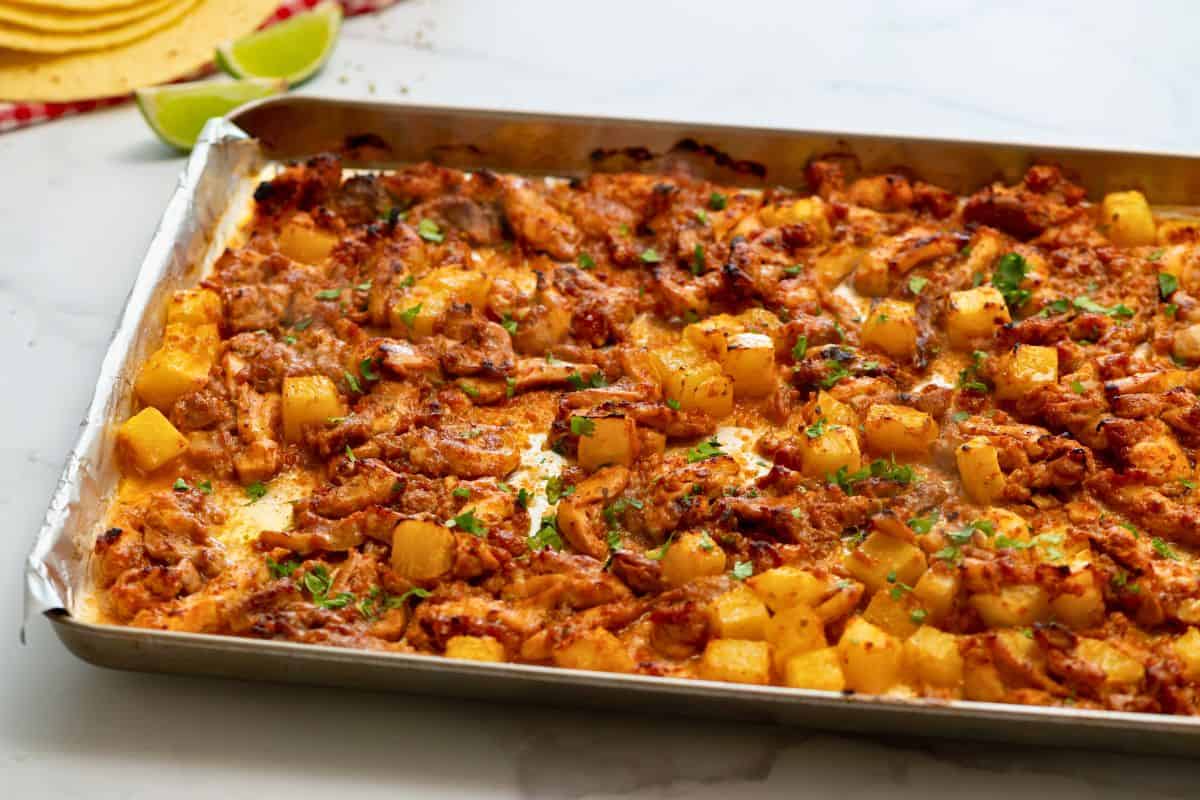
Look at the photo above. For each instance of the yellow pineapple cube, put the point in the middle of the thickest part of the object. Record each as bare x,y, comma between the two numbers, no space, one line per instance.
823,455
1128,219
1016,606
899,430
979,468
307,401
975,314
422,550
833,410
1187,650
1081,603
933,656
168,374
1161,456
474,648
896,611
793,631
749,361
1027,368
881,555
595,649
610,440
808,211
693,380
194,307
739,614
148,440
872,659
301,240
1119,668
936,591
736,661
818,669
691,556
786,587
892,328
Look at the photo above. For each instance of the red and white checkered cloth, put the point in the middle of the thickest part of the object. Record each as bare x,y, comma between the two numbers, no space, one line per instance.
21,115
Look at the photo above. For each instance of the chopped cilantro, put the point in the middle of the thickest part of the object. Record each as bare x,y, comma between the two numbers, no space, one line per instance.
960,416
800,348
1170,308
366,368
918,616
1003,542
924,524
510,387
428,230
546,536
706,542
701,217
350,455
916,284
614,539
697,260
328,294
1085,303
469,390
585,261
302,325
256,491
509,324
461,492
352,382
706,449
817,429
673,404
281,569
523,497
180,485
835,374
658,553
717,201
650,256
582,426
205,486
1010,272
556,490
467,523
743,570
409,316
1163,549
1077,387
1167,284
948,554
1155,255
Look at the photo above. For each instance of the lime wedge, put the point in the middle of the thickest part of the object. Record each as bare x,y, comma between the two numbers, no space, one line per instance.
178,111
293,50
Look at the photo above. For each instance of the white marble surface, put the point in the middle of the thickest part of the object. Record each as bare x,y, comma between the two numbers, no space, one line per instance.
79,199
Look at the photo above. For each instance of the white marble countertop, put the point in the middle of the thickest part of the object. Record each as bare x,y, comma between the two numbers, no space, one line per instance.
79,199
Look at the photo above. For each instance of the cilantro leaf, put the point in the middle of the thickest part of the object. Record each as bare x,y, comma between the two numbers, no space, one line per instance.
467,523
800,348
281,569
1010,271
256,491
1167,284
743,570
916,284
706,449
546,536
582,426
428,230
650,256
717,201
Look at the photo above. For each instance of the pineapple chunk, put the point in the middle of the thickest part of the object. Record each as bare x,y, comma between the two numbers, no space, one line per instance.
836,263
881,555
834,448
170,373
194,307
474,648
1012,606
936,592
933,656
895,611
818,669
975,314
692,379
309,400
739,614
749,361
1025,370
736,661
782,588
1161,456
808,211
899,430
148,440
1187,650
301,240
1128,217
872,659
611,440
794,631
979,469
1185,345
595,649
834,410
711,335
1081,603
692,556
871,277
422,550
892,328
1119,668
416,314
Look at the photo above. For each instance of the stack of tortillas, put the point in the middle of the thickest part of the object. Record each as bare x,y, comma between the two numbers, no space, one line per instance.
63,50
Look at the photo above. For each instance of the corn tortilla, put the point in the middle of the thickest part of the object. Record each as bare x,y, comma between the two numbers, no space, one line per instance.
172,52
16,37
52,20
80,5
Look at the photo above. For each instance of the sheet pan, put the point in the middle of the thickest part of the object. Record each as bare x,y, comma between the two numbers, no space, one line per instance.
375,135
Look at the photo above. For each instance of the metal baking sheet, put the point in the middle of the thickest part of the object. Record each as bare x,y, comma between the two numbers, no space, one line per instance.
373,135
